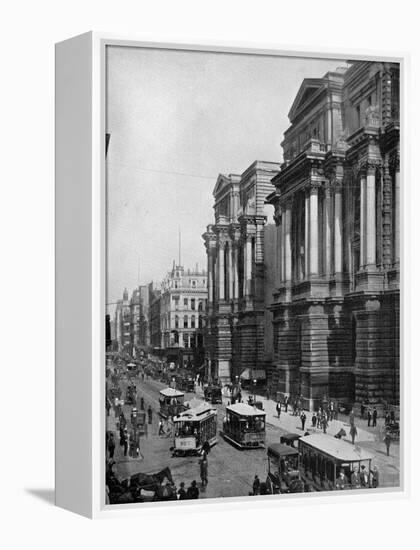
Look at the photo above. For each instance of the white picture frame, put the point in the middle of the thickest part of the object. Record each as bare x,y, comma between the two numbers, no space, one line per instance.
80,270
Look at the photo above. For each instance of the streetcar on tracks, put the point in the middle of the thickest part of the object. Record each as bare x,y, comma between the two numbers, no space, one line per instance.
213,394
195,430
244,426
284,474
323,457
171,402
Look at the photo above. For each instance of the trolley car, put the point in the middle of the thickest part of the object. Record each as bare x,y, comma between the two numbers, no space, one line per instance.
195,428
323,457
171,402
244,426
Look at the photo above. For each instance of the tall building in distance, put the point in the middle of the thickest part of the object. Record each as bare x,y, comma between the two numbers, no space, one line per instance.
183,301
336,200
241,268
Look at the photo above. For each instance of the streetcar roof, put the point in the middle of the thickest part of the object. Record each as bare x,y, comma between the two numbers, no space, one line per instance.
171,392
196,414
336,448
245,410
282,450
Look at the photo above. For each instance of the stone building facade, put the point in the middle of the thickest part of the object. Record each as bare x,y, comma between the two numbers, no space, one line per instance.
336,203
238,333
183,301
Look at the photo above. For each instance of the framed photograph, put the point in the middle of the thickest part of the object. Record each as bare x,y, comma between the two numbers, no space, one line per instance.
228,269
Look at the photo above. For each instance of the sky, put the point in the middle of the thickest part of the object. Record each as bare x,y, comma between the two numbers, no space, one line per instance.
177,120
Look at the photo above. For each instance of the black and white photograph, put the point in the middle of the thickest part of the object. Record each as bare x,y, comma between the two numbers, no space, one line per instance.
252,275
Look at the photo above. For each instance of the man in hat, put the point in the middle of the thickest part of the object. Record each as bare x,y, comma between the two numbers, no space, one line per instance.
387,441
369,417
374,417
355,480
256,486
192,491
364,477
303,420
341,481
278,409
204,470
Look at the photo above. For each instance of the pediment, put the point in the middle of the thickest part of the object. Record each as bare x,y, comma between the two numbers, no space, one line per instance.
223,182
308,89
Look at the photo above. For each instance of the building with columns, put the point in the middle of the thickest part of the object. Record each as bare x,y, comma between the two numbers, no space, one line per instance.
239,328
336,207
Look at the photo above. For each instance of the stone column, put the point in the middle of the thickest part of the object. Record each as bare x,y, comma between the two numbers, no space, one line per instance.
210,274
287,244
370,220
283,246
244,282
307,215
248,269
362,220
279,252
221,266
236,274
397,218
313,231
231,271
338,230
327,231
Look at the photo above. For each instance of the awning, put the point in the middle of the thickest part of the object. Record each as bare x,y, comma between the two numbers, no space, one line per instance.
248,374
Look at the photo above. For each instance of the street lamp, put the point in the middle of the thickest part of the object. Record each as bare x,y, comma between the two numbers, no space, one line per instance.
255,385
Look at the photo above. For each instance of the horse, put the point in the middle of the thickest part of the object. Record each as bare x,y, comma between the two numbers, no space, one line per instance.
149,482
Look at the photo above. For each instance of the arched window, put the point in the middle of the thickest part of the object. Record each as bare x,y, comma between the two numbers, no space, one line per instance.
200,306
185,321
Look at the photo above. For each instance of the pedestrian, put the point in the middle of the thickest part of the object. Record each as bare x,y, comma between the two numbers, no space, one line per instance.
362,410
278,409
111,445
150,414
142,403
182,493
369,417
353,433
392,417
341,481
387,418
364,477
374,417
268,394
324,424
374,474
355,480
318,418
161,432
351,417
192,491
314,419
256,486
387,440
286,404
303,420
124,441
204,470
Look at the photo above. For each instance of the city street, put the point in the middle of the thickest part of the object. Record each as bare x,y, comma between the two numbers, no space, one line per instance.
230,470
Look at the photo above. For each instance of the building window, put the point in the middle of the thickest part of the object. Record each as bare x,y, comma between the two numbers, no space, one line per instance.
193,321
193,283
200,305
193,303
200,321
176,321
186,303
185,321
